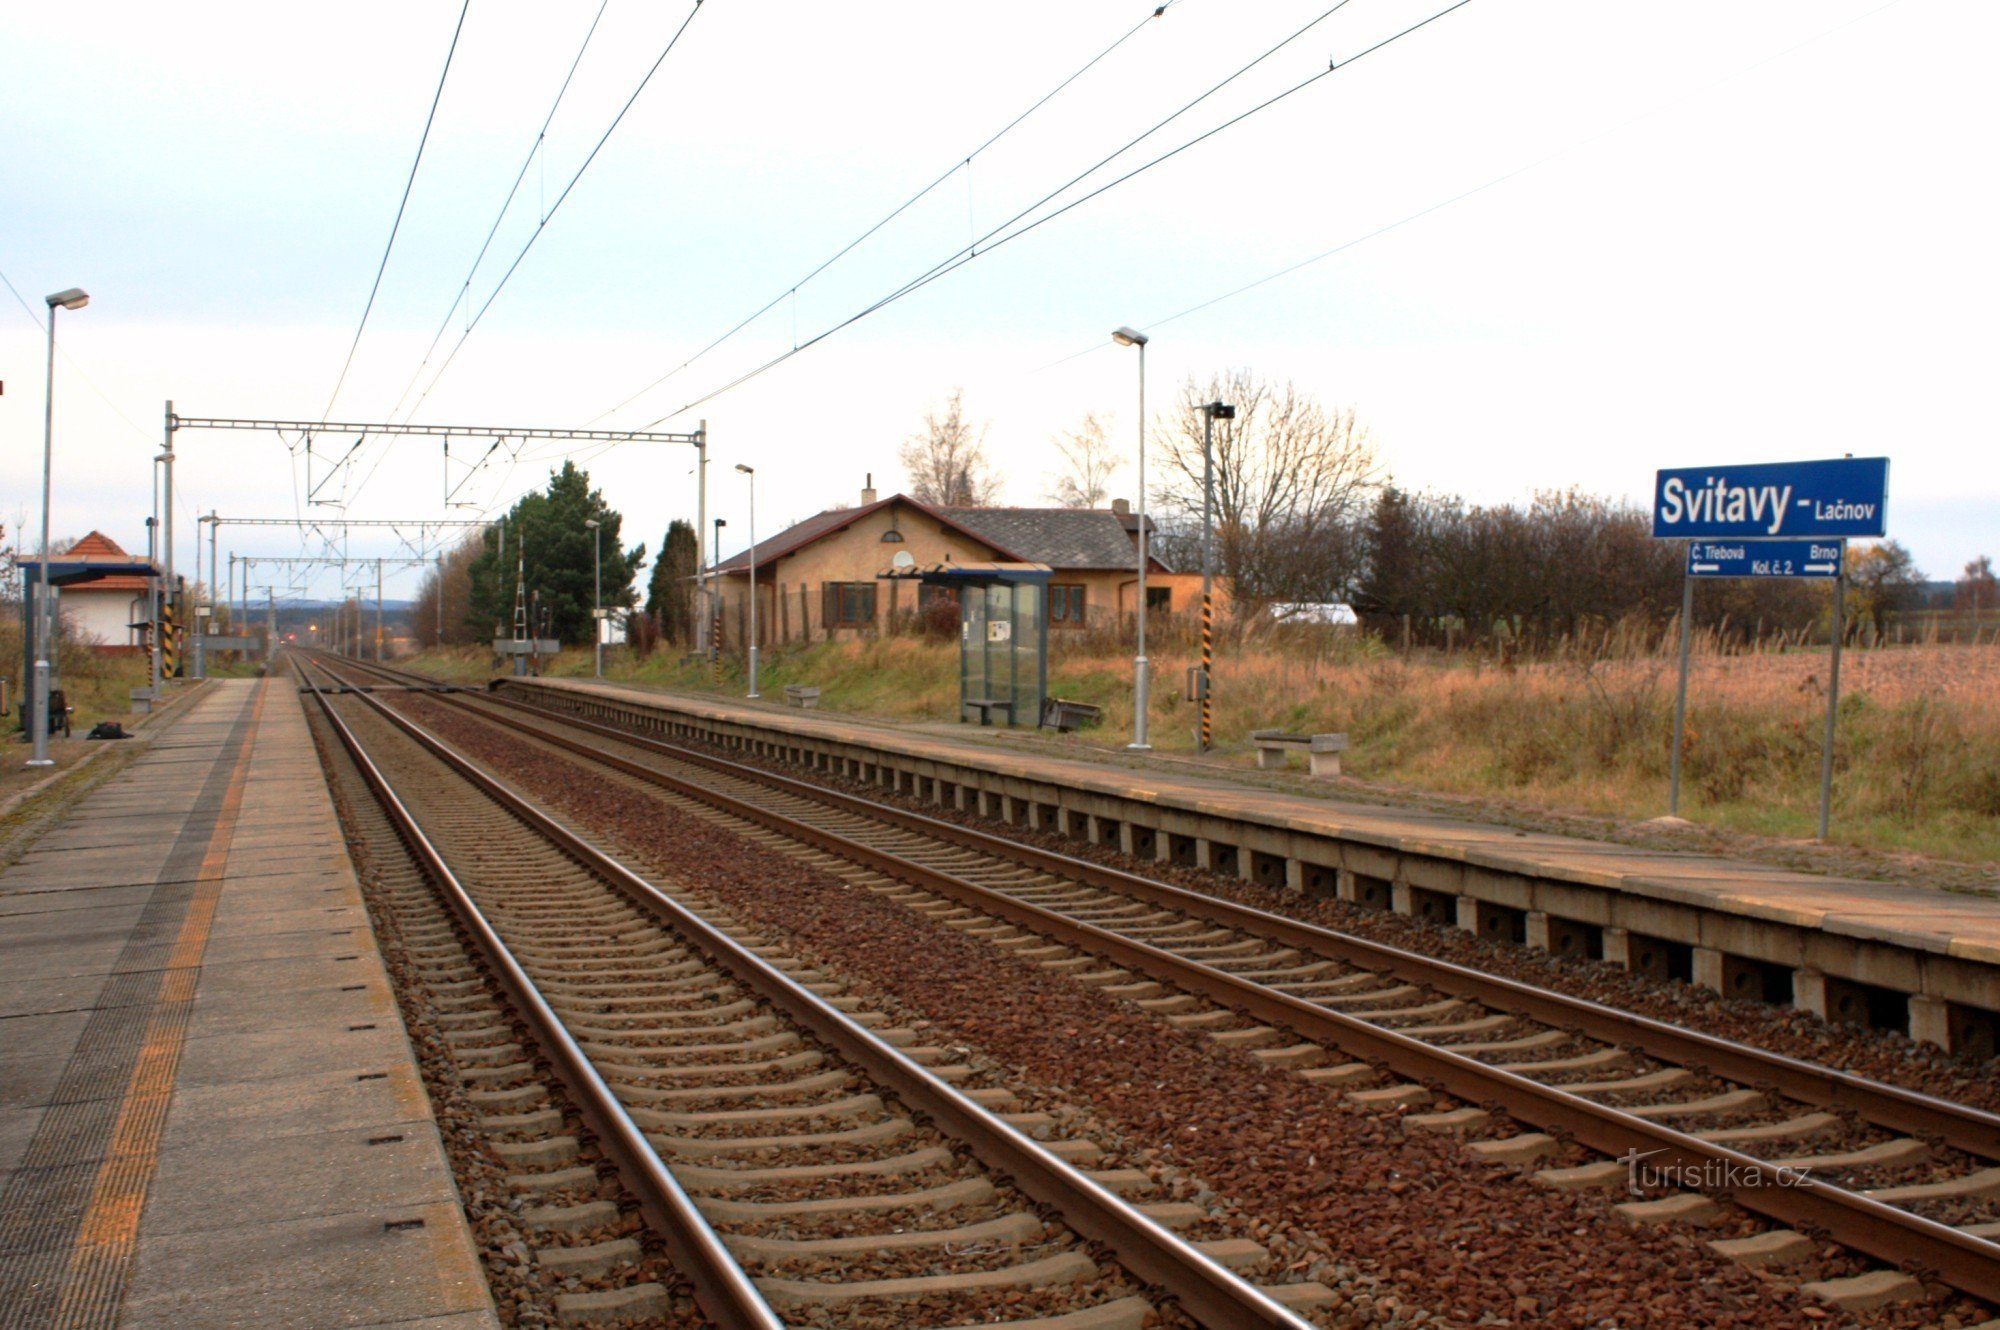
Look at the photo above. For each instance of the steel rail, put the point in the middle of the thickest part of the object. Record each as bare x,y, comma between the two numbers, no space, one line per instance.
722,1288
1209,1291
1852,1219
1957,1125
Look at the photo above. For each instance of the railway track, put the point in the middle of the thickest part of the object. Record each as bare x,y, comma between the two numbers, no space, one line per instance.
1906,1179
799,1159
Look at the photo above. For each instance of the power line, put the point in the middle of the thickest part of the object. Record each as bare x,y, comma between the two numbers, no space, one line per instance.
550,216
536,147
395,226
70,360
966,255
1464,194
901,208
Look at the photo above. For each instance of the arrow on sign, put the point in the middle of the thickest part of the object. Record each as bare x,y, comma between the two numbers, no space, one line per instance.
1708,568
1821,568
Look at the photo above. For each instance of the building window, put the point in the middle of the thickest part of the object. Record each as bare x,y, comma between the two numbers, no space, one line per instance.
1159,598
850,605
1066,605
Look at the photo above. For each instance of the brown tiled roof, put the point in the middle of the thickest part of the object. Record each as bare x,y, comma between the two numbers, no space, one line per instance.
1079,539
800,534
1076,539
99,548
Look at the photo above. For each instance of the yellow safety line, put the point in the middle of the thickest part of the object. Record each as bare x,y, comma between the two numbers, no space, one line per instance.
110,1228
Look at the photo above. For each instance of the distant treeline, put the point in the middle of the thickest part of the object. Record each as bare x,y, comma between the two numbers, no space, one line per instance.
1561,565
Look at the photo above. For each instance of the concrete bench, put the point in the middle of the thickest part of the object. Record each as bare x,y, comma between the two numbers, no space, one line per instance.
1322,750
798,695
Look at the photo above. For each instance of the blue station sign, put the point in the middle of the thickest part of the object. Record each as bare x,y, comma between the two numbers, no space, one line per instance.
1765,558
1830,499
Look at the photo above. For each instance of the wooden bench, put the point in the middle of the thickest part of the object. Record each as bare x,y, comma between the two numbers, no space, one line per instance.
988,705
799,695
1322,750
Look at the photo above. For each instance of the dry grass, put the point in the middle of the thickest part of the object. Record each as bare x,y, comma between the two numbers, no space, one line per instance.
1587,730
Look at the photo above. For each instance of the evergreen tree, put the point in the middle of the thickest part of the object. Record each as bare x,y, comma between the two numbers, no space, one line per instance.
670,593
548,527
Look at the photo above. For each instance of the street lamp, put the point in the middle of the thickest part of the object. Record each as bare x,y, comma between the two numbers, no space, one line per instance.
1210,413
597,588
1132,337
74,298
751,472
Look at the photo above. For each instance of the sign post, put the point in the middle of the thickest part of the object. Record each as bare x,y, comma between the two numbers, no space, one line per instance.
1781,519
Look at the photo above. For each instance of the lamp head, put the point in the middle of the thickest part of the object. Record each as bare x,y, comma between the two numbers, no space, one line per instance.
722,521
74,298
590,522
1220,411
746,470
1128,337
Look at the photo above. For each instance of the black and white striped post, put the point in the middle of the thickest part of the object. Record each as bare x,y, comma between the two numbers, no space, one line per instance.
1210,413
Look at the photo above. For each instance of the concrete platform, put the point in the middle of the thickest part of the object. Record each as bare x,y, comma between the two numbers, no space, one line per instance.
209,1110
1742,928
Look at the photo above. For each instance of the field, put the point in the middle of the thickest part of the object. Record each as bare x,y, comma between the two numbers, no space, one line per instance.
1586,731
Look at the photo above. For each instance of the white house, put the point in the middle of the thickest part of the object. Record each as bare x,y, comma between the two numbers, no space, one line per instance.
110,612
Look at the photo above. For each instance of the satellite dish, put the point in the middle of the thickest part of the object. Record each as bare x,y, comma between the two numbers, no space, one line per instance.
903,559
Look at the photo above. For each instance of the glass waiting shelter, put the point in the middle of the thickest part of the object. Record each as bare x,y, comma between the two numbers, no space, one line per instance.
1003,636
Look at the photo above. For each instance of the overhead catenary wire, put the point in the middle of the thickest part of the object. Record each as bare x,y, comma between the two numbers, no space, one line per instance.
960,164
1473,191
540,226
535,149
968,254
564,194
396,225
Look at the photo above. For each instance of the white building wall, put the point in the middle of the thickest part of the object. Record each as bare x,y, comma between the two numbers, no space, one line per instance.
103,616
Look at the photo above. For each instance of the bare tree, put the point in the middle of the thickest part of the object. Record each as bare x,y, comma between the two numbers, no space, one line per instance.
1978,591
1089,462
946,461
1292,481
451,579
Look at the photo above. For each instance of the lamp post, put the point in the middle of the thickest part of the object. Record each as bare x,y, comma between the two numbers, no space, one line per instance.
597,588
74,298
1210,413
1132,337
751,472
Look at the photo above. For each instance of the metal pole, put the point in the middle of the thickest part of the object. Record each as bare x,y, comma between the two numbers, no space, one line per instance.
270,622
440,600
597,590
38,716
167,503
153,599
378,611
1680,700
214,526
702,574
1832,699
200,599
1139,702
1207,734
753,583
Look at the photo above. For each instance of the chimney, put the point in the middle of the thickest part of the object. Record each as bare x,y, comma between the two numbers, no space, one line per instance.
868,490
1123,507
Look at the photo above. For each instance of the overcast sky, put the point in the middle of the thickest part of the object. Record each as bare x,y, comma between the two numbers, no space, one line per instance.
1620,237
